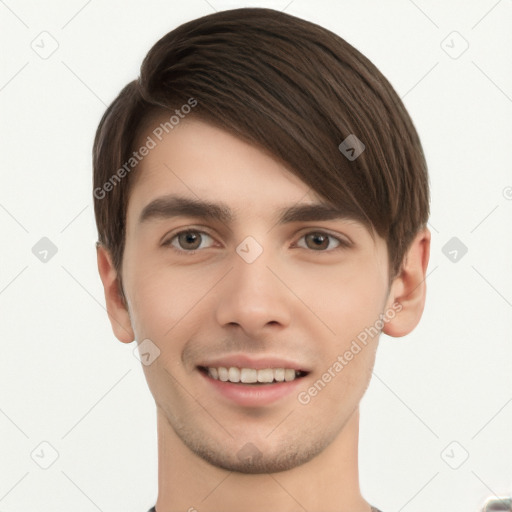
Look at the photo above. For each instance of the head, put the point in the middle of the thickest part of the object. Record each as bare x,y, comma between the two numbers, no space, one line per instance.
248,108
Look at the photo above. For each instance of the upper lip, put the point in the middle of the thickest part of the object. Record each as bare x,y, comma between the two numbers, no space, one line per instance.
243,361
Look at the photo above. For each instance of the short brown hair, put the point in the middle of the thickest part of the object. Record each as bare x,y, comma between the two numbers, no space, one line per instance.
295,90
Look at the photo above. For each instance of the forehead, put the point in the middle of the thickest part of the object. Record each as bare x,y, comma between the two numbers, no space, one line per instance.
202,160
200,170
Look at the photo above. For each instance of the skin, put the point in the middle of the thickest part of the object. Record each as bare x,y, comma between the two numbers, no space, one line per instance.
294,301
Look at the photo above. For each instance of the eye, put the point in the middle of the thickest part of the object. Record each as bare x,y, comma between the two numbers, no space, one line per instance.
187,241
320,240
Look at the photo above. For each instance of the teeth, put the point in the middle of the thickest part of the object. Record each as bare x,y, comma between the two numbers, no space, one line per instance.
279,374
234,374
289,375
223,374
266,375
248,375
251,375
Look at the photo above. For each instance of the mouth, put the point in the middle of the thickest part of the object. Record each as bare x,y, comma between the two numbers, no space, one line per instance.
251,387
252,376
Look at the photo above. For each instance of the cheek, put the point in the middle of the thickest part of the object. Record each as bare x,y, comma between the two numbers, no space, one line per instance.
149,305
351,308
350,298
350,303
163,299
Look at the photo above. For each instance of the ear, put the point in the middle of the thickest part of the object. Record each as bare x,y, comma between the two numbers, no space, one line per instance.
116,307
409,287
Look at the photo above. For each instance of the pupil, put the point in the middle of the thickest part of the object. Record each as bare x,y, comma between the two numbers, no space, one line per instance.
190,237
318,236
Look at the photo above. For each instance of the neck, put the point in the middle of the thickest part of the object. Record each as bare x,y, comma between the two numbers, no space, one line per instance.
327,483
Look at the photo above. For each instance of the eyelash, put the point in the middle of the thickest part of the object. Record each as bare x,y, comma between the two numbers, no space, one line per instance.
342,243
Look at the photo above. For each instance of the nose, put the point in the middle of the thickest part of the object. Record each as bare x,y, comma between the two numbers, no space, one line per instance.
254,296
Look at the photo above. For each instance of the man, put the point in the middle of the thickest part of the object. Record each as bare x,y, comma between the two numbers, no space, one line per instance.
261,198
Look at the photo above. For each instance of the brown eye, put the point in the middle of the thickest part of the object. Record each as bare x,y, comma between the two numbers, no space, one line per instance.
187,241
317,241
320,241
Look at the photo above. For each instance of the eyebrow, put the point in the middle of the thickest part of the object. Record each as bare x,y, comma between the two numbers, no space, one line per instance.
177,206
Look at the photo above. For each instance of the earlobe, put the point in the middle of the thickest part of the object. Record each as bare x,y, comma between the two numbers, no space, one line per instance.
409,287
116,308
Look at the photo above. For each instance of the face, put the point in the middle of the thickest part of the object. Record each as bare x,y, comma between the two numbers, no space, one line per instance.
251,285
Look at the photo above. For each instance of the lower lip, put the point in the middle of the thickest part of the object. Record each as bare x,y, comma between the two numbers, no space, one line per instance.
254,395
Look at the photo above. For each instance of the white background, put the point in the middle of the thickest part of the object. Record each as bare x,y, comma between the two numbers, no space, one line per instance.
67,381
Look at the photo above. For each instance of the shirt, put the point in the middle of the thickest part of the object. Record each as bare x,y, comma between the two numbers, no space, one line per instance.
373,509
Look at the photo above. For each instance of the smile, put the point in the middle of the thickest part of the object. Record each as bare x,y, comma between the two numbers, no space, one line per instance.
251,387
252,375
